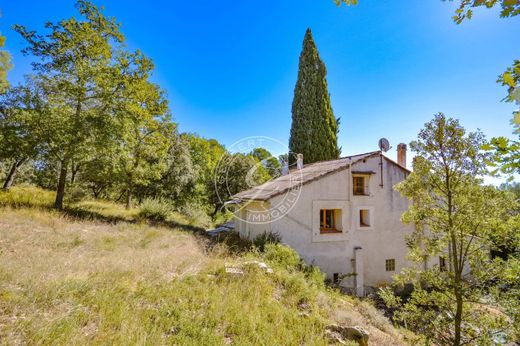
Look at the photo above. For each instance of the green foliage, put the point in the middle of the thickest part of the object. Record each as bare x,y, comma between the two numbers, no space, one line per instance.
78,73
506,155
266,238
235,173
509,8
455,216
147,139
506,152
19,134
205,155
26,196
314,127
5,65
281,255
346,2
271,163
155,209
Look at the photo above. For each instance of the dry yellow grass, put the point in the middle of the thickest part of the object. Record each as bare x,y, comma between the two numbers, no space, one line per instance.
51,246
65,281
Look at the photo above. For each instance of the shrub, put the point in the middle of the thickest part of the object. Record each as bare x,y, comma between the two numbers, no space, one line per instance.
76,193
26,196
281,255
315,276
197,216
155,210
266,238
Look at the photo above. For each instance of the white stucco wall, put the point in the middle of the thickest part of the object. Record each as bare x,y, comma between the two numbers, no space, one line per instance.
334,253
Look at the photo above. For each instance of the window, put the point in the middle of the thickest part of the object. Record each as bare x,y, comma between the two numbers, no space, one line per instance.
390,265
359,184
442,264
364,218
329,219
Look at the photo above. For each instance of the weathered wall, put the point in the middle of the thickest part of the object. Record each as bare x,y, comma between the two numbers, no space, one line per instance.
334,253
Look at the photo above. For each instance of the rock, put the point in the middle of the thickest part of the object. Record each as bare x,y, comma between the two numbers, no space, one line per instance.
354,333
260,265
234,271
335,337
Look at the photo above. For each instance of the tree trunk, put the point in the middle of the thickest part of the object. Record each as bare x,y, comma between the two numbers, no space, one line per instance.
60,193
458,320
12,173
129,197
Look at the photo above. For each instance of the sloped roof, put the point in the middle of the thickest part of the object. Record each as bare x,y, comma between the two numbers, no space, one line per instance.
307,174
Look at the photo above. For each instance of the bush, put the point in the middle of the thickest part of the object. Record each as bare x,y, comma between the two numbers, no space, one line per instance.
26,197
76,193
315,276
266,238
281,255
196,215
155,210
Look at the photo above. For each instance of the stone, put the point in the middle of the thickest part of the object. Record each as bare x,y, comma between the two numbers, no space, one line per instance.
354,333
260,265
234,271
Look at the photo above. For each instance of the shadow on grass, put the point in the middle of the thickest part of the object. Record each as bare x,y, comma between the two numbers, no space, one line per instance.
91,215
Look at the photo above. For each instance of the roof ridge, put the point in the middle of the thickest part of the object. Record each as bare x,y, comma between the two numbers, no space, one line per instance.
310,172
340,158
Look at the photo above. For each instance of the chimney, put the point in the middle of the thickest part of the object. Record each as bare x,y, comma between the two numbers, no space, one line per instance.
299,161
401,154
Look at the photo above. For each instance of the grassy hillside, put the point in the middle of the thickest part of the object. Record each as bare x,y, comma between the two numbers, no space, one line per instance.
66,280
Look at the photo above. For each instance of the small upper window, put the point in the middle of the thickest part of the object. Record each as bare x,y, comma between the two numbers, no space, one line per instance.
364,218
390,265
329,219
359,184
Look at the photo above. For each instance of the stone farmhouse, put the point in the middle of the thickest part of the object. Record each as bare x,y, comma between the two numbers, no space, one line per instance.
343,216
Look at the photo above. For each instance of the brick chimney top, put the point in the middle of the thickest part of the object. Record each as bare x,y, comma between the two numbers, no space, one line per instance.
401,154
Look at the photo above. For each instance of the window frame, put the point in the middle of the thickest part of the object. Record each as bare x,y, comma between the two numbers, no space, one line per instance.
390,264
355,191
334,229
365,187
368,218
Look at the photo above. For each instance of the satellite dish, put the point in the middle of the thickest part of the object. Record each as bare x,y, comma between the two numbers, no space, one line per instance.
384,144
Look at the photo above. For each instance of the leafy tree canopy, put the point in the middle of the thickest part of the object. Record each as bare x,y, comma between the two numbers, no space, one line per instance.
475,299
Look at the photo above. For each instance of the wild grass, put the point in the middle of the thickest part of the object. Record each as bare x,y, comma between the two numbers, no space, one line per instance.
155,209
98,209
26,197
65,281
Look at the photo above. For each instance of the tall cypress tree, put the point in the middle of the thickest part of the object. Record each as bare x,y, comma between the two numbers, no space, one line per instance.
314,127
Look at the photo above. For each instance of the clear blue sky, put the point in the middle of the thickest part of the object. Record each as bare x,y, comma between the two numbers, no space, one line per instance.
229,66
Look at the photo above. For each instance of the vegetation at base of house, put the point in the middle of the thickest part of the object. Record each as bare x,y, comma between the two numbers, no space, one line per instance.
314,128
65,280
